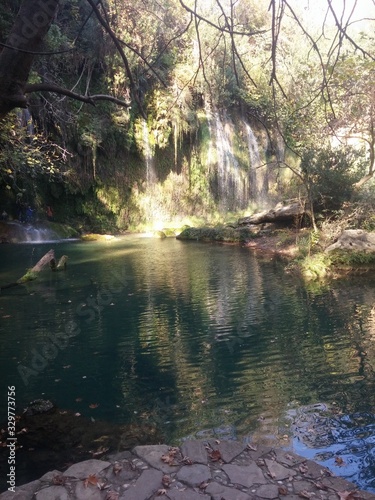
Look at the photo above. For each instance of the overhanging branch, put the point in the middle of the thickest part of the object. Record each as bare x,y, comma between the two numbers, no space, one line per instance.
88,99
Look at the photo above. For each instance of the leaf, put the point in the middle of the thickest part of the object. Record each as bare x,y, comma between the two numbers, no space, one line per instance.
251,447
339,461
162,491
215,455
306,494
91,479
93,405
303,468
347,495
117,467
166,481
283,490
203,485
112,495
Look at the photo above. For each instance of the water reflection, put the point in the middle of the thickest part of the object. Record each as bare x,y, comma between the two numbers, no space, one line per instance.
192,338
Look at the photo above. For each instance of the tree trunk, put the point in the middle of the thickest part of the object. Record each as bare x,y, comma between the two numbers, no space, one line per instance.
30,27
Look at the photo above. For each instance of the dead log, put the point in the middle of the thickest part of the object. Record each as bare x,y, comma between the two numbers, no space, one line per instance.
48,258
281,213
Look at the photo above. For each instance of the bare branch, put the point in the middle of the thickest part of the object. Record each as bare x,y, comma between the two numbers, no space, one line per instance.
88,99
216,26
118,46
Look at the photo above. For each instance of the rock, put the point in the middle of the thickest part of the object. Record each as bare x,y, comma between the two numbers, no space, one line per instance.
245,475
229,449
90,492
186,495
24,492
39,406
194,475
84,469
52,493
196,451
152,455
277,471
146,485
219,491
354,240
268,491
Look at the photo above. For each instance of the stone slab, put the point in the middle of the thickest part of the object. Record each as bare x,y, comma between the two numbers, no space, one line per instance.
90,492
278,471
196,451
194,475
186,495
87,468
152,455
230,449
146,485
269,491
247,475
53,493
219,491
24,492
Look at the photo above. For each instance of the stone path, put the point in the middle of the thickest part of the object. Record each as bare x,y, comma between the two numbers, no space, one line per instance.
198,470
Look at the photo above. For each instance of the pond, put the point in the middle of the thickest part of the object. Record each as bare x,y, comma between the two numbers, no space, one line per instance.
197,340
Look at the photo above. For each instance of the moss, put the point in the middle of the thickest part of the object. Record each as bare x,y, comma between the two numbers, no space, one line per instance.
223,234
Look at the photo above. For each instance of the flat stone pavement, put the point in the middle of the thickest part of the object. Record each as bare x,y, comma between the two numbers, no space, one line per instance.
198,470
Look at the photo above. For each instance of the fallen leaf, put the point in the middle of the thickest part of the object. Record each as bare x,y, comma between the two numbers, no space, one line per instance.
203,485
23,431
251,447
112,495
306,494
347,495
93,405
162,491
78,400
169,460
100,451
59,479
303,468
6,316
187,461
77,414
117,467
321,486
166,481
283,490
215,455
339,461
91,479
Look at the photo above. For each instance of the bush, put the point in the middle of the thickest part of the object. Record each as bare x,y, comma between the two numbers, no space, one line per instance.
330,175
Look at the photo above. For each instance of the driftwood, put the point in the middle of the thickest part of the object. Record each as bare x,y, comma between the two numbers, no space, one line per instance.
48,258
281,213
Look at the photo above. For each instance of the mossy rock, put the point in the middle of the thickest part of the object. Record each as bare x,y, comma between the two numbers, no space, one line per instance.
62,230
97,237
223,234
159,234
169,233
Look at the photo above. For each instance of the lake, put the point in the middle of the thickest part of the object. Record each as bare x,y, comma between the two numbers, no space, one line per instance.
197,340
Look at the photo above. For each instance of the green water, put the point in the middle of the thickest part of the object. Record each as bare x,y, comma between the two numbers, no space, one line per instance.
197,340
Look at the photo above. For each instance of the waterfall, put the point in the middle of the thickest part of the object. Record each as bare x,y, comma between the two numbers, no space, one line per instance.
149,157
232,180
15,232
254,157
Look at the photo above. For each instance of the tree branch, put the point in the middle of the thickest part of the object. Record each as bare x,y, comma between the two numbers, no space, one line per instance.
118,46
88,99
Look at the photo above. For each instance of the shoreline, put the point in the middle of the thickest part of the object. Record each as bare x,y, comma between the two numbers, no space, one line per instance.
197,470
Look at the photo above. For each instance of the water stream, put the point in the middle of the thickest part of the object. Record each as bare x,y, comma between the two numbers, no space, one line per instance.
197,340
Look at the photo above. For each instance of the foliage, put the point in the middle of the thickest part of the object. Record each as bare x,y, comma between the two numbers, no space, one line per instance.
330,175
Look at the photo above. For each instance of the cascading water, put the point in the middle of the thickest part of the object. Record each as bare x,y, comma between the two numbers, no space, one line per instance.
258,186
15,232
149,158
232,180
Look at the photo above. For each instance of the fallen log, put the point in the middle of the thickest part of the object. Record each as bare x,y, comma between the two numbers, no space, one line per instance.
281,213
32,274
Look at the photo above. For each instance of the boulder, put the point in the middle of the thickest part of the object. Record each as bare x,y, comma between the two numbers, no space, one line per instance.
354,240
